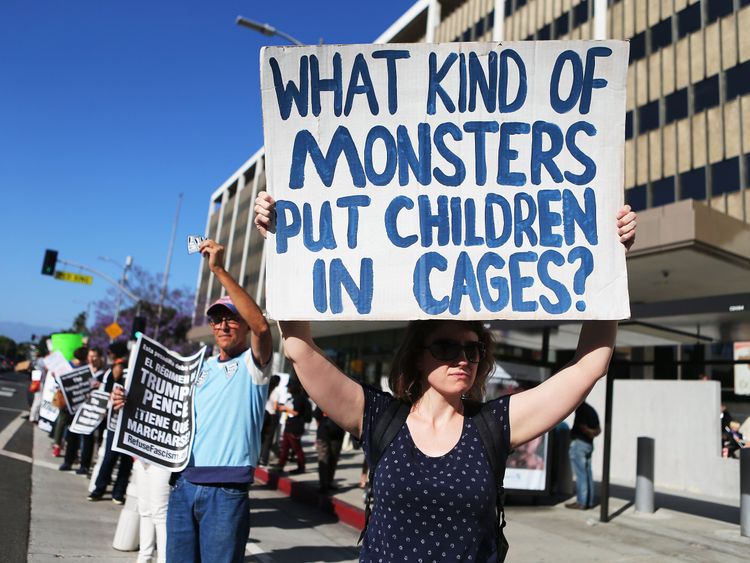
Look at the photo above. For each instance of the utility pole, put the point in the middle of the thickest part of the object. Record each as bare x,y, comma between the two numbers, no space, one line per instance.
166,268
123,280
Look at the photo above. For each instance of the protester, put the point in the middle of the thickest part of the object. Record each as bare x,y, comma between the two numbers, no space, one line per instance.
64,418
298,413
152,488
208,515
585,429
119,351
37,400
328,440
270,419
417,509
86,441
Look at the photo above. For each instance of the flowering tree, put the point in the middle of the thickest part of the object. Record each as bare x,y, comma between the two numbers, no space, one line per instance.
175,316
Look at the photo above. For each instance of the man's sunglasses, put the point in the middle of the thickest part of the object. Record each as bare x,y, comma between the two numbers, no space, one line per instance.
448,350
232,322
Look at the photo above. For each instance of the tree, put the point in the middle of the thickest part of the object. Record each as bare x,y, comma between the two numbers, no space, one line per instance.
79,324
176,317
8,347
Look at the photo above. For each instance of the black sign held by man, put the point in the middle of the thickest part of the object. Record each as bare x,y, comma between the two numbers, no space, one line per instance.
75,386
156,423
90,415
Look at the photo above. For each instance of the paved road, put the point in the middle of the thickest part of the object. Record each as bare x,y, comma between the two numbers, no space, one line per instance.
15,468
282,530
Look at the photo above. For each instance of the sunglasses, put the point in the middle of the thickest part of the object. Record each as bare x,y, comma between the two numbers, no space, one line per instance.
450,350
232,322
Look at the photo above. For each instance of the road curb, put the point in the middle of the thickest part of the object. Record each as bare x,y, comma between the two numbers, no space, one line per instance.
307,493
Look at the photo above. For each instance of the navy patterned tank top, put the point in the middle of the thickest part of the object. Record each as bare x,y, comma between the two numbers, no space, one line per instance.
431,509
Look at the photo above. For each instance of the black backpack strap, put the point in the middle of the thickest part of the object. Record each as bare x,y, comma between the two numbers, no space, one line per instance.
492,438
386,429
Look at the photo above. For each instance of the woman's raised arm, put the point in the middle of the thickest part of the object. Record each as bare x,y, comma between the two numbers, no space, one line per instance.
336,394
537,410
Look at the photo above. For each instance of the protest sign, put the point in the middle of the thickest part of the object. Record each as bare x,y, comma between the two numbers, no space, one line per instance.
91,413
48,412
157,423
460,180
113,417
75,386
54,363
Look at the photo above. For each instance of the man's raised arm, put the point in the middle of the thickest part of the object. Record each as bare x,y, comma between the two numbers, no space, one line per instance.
260,331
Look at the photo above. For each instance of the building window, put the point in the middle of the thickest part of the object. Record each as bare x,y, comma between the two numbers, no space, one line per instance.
638,47
545,33
648,117
725,176
689,20
508,8
718,9
629,125
562,25
581,13
661,34
479,29
706,93
693,184
662,191
676,105
519,4
466,35
491,20
738,80
636,198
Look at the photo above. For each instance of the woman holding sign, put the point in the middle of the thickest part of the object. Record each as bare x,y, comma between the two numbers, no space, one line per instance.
437,453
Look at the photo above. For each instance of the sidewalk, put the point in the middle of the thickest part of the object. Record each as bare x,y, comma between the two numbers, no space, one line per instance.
546,532
65,526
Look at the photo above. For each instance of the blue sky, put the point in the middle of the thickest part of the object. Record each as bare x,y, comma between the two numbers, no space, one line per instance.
108,110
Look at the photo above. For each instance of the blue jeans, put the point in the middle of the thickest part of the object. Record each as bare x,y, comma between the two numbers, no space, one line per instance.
580,461
207,523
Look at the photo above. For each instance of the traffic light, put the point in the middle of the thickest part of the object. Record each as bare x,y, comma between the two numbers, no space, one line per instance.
138,327
50,261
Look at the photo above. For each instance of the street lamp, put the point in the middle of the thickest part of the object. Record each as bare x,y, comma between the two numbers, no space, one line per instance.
266,29
125,268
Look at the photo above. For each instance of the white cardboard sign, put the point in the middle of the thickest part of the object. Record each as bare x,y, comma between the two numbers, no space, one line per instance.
458,180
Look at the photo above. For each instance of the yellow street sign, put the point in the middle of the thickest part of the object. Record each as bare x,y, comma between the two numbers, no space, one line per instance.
113,331
71,277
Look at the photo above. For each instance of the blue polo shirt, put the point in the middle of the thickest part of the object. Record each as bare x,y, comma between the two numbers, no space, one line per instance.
228,406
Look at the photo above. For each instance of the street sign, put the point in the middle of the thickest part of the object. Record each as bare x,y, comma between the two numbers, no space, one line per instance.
75,278
113,331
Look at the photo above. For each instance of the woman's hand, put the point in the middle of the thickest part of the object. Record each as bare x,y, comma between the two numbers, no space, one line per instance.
626,222
265,214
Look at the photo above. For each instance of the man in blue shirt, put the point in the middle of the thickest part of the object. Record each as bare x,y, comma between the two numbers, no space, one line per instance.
208,518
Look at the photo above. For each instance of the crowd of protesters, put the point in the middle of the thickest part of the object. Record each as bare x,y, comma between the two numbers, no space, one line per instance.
202,512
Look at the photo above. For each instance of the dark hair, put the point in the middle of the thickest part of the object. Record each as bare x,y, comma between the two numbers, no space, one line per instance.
273,383
406,381
119,349
80,354
96,349
294,386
